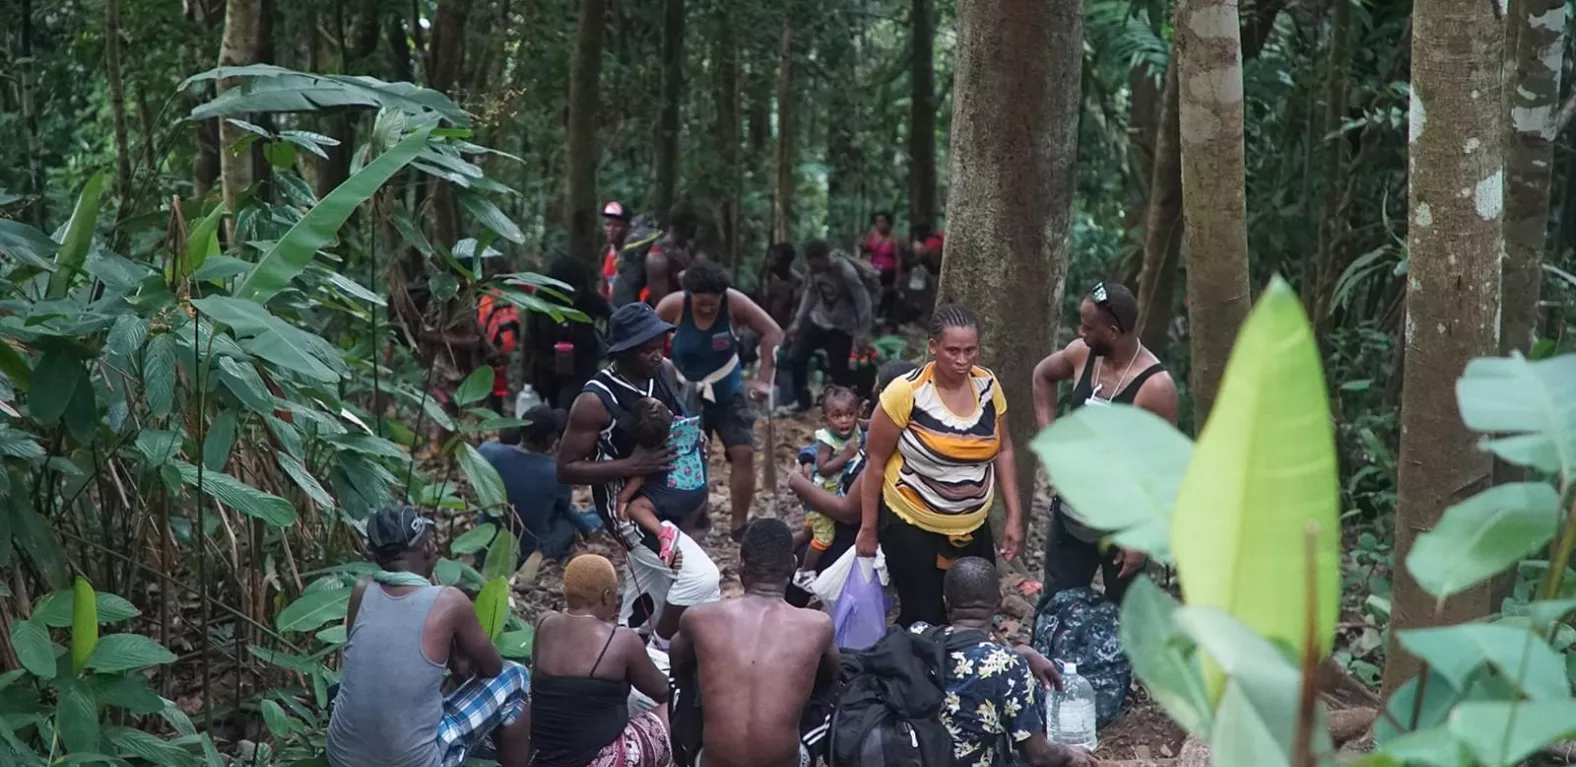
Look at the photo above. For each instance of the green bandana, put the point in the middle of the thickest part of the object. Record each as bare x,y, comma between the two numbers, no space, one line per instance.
389,578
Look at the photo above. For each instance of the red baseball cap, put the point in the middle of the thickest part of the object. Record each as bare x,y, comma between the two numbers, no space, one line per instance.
614,209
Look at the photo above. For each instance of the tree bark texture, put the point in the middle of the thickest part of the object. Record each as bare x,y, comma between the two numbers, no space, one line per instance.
117,102
922,116
445,63
581,148
1143,123
783,178
1539,34
672,98
728,133
1455,239
239,47
1163,223
1209,97
1332,221
1010,189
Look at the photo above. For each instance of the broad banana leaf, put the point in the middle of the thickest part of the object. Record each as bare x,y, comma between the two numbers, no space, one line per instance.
84,623
492,607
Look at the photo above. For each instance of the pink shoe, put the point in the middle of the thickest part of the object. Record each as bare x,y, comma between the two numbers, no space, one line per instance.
668,539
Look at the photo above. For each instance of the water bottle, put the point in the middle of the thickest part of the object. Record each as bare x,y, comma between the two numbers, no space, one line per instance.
1072,712
525,400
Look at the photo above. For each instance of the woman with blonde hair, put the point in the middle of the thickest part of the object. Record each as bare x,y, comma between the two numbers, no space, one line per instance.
579,700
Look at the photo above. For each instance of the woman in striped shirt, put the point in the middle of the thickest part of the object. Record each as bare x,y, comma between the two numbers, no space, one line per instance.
941,437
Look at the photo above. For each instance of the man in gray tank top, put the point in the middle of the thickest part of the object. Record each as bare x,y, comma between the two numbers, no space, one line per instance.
403,631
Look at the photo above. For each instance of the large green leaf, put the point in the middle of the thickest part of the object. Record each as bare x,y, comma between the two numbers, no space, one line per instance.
491,217
267,88
267,336
30,642
492,607
476,386
1533,402
219,440
1484,535
240,496
158,374
28,245
290,255
1118,468
124,652
1503,733
55,608
311,611
1262,479
78,236
1518,655
202,242
35,537
243,381
503,556
304,479
517,645
1163,657
484,479
84,623
76,719
150,748
127,335
55,381
474,539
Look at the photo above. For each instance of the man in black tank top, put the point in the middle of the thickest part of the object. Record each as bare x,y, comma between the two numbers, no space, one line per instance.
1111,367
598,449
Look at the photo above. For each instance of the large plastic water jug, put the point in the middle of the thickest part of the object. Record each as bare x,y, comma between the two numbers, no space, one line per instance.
1071,719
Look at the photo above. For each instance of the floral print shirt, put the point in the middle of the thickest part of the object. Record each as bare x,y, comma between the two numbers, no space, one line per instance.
990,694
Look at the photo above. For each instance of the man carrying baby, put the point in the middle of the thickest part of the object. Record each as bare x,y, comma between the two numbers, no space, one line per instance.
600,449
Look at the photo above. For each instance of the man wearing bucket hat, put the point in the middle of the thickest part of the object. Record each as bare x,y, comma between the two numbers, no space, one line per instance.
615,225
402,630
599,449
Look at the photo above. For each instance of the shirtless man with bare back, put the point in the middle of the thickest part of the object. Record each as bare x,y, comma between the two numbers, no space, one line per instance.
758,658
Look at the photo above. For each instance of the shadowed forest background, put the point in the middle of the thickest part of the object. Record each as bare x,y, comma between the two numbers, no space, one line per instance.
236,234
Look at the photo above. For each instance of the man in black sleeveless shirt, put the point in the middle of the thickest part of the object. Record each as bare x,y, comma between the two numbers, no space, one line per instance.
598,449
1112,367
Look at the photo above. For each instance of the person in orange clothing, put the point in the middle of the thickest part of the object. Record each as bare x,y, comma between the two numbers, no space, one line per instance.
615,225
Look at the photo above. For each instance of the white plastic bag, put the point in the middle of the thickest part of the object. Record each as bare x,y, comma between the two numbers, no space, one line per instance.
638,702
829,584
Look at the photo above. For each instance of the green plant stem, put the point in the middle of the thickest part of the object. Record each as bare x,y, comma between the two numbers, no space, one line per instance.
1561,556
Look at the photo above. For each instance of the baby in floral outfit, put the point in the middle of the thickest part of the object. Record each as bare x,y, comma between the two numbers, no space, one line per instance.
658,502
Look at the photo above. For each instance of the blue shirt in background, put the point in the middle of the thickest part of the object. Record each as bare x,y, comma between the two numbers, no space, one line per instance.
540,501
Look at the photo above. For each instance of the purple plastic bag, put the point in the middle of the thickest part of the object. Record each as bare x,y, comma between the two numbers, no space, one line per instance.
859,617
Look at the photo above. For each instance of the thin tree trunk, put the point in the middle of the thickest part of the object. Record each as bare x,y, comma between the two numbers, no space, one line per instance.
445,64
1332,221
1163,223
1539,32
243,20
1010,188
117,102
672,99
922,116
728,133
783,179
760,108
580,145
1209,78
1453,287
1143,123
35,150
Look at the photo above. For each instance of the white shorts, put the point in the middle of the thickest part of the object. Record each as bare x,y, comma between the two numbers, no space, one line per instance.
698,580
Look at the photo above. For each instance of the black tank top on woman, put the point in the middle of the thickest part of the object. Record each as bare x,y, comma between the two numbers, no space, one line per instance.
574,717
1082,391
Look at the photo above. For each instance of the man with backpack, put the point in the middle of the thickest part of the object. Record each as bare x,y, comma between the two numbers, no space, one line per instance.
834,315
751,664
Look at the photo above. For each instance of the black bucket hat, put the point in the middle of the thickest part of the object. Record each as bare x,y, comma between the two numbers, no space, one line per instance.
632,326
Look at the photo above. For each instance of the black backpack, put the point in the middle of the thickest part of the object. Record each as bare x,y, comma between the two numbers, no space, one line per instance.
889,709
644,232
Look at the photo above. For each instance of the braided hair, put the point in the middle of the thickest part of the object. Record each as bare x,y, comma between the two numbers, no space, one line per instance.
836,392
951,316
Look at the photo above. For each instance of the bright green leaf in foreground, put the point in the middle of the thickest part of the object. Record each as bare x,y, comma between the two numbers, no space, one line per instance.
474,539
1263,476
78,236
1455,652
290,255
1118,468
503,556
30,641
1163,657
124,652
1505,733
1534,403
84,623
492,607
476,386
1484,535
517,645
313,610
484,479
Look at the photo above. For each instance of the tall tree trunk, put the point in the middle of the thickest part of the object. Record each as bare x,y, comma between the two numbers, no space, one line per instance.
1209,79
1010,188
1162,223
1538,56
445,63
672,100
787,156
842,150
117,103
1332,221
728,133
1143,123
922,116
241,46
580,145
35,150
1452,292
760,108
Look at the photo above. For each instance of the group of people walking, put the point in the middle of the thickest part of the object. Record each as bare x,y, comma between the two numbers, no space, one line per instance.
744,668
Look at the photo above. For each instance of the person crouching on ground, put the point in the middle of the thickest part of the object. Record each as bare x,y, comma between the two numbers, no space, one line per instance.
599,449
994,694
659,502
391,710
579,701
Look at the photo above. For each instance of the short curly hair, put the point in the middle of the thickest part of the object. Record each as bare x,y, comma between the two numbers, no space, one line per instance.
706,278
652,422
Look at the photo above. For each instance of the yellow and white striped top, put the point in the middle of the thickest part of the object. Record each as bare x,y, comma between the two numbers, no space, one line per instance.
942,476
